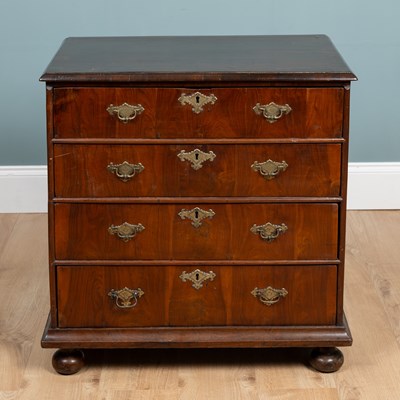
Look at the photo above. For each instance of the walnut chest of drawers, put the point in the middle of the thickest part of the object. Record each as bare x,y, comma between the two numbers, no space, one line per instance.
197,194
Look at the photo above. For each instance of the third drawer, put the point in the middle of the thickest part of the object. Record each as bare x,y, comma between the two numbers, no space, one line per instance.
218,231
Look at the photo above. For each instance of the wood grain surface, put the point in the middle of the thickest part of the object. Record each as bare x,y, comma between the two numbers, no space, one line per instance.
82,232
198,59
227,299
312,170
82,113
370,372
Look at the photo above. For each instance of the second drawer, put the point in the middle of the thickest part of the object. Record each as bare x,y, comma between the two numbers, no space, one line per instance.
238,231
197,170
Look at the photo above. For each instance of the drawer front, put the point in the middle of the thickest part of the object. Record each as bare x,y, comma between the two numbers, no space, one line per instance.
196,231
178,170
299,112
93,296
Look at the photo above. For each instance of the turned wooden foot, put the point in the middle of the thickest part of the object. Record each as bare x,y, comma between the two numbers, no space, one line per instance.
326,359
68,362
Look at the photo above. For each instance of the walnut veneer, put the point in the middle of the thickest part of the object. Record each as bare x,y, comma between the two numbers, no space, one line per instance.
197,194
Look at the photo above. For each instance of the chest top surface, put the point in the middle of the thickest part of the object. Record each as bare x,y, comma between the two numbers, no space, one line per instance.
201,58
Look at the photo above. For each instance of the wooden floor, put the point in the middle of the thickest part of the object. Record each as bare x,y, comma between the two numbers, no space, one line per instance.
371,369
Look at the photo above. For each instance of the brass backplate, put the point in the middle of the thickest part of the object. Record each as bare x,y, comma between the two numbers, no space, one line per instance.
268,231
196,157
196,215
125,112
272,111
269,295
123,297
125,231
269,169
197,101
197,277
125,171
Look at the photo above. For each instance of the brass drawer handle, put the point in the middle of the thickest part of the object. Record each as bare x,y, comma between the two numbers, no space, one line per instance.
197,101
126,170
268,231
269,295
197,277
125,112
196,157
125,231
272,111
196,215
123,297
269,169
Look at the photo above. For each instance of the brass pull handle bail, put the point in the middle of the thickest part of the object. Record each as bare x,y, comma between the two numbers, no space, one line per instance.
125,171
125,231
269,295
269,169
272,111
125,112
123,297
268,231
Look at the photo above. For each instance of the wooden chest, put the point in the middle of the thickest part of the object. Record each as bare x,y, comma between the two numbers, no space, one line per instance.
197,194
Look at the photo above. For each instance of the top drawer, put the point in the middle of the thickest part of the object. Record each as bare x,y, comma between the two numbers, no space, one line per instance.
172,113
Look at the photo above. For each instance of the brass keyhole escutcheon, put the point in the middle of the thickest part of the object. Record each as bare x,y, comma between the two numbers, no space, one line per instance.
197,101
196,215
196,157
197,277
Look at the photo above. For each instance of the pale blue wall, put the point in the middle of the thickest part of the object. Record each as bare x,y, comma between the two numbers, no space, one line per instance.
366,32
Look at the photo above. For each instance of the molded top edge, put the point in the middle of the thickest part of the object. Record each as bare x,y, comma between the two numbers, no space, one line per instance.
197,58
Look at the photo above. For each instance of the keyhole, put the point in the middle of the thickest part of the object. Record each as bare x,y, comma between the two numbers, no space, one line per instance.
196,214
197,99
197,276
196,156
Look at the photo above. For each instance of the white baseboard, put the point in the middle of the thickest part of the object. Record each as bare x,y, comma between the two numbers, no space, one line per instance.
372,186
23,189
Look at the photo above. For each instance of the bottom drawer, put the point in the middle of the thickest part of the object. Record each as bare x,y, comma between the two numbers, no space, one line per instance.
123,296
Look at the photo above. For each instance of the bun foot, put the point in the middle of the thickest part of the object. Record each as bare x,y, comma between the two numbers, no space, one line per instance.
68,362
326,359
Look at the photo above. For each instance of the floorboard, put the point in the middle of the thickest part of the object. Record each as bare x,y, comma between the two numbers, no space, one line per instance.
371,370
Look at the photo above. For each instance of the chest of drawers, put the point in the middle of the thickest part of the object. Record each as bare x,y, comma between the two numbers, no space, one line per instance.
197,194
